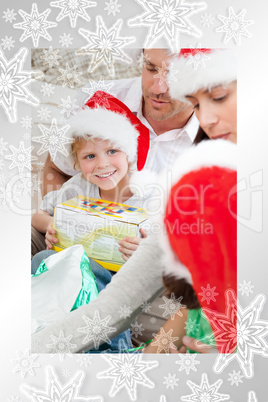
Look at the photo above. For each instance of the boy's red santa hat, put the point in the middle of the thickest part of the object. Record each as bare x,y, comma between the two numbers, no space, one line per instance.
199,236
218,67
105,117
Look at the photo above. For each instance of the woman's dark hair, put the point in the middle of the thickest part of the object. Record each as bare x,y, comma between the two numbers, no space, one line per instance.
179,287
200,136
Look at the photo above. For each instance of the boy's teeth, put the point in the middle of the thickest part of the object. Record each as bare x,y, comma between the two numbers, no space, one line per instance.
104,175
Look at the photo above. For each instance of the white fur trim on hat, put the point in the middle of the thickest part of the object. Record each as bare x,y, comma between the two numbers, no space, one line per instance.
105,124
219,69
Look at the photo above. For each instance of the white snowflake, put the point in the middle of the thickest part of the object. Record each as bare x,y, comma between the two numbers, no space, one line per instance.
191,326
127,371
47,89
234,26
136,329
35,25
207,20
26,136
124,311
245,288
205,392
2,178
97,330
73,9
163,340
100,86
146,307
39,166
235,378
172,306
162,74
251,332
9,15
68,106
66,40
66,372
50,57
167,18
61,345
85,360
187,362
208,293
14,398
43,113
3,145
68,392
112,7
69,76
152,320
171,381
198,58
26,122
14,82
30,184
20,157
106,45
53,139
25,363
7,42
8,195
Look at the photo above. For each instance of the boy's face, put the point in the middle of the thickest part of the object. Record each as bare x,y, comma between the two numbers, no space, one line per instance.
102,164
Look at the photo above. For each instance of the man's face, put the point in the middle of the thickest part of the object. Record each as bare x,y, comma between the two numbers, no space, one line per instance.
157,102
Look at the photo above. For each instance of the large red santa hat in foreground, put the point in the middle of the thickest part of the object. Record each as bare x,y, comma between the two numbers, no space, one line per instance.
200,230
107,118
195,69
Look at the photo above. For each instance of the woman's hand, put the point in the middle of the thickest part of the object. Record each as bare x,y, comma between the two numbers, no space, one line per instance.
193,344
49,237
129,244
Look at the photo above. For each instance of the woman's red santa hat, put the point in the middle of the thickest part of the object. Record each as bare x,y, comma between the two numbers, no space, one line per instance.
218,67
199,236
107,118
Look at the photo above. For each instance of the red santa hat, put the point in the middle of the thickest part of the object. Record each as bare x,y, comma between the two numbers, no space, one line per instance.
199,236
195,69
107,118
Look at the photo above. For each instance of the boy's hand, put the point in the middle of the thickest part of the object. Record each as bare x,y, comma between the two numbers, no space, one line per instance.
129,244
50,237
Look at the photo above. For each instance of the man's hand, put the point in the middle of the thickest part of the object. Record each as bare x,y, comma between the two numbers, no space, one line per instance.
129,244
50,238
193,344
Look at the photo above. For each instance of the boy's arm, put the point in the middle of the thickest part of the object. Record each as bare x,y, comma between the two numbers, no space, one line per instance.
41,220
52,178
138,281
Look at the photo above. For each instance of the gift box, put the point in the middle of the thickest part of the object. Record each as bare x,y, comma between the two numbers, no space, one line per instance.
98,225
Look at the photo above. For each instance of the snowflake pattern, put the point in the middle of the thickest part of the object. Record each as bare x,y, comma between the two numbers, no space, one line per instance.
68,392
30,184
66,40
61,345
245,288
171,381
162,73
198,58
8,195
208,293
205,392
124,311
43,113
53,139
99,86
97,330
85,360
163,340
136,330
2,178
66,372
187,362
234,26
68,107
152,320
50,57
191,327
69,76
35,25
20,157
13,84
207,20
127,371
235,378
73,9
25,363
172,306
106,45
14,398
47,89
3,145
146,307
26,122
167,18
250,334
7,42
9,15
112,7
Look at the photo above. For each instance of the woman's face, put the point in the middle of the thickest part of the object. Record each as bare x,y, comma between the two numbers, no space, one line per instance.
216,111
